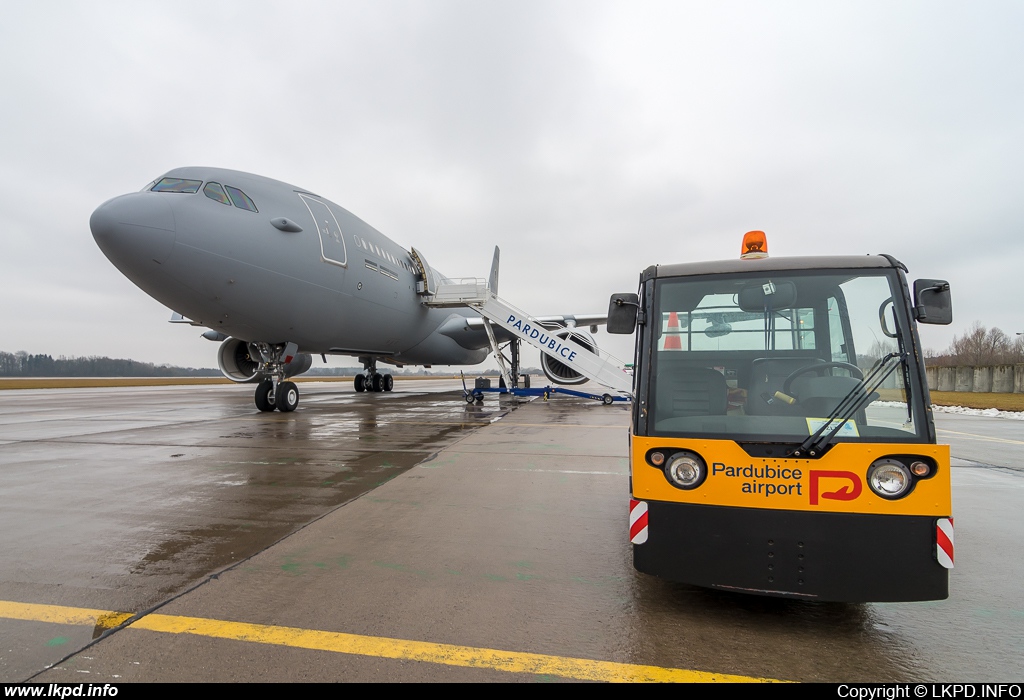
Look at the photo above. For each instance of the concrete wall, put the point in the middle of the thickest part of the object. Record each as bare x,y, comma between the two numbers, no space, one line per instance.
964,380
1003,379
982,379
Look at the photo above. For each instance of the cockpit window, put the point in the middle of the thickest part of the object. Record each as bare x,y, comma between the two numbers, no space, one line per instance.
240,199
214,191
176,184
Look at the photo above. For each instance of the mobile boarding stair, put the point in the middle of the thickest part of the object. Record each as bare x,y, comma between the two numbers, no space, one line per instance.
598,367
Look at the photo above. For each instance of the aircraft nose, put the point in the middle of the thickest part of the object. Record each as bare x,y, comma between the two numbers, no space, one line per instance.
134,229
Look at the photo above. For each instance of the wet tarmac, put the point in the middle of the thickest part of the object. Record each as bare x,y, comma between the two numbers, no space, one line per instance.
507,535
121,498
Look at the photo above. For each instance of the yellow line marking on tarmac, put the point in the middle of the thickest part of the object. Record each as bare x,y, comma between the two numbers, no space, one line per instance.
380,647
984,438
57,614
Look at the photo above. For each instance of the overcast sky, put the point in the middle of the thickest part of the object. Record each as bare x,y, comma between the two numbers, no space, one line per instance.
587,139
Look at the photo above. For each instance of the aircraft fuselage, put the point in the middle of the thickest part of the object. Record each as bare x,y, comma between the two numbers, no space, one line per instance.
264,261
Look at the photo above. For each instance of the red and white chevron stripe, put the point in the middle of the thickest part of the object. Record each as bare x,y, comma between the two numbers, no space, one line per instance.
637,521
944,541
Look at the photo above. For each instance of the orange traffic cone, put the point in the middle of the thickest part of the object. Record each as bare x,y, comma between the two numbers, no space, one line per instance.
672,340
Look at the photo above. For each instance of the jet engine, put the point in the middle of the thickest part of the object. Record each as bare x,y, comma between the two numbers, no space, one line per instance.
238,365
299,364
560,373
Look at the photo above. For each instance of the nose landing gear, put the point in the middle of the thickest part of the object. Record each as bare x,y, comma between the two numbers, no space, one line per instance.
273,392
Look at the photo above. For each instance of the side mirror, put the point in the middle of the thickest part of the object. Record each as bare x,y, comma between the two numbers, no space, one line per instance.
932,302
622,313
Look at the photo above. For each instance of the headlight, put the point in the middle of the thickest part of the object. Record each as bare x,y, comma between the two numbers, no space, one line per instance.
685,470
889,478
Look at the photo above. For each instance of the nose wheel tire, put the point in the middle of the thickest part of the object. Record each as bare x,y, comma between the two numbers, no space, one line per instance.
263,401
287,399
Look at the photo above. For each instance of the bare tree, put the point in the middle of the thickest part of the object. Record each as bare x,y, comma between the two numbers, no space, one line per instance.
980,346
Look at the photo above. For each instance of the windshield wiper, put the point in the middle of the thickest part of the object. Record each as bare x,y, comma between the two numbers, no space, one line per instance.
858,397
907,384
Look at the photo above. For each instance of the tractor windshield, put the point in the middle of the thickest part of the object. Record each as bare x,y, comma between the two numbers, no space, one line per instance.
776,358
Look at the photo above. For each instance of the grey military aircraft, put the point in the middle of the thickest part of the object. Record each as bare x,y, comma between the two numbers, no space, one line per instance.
279,274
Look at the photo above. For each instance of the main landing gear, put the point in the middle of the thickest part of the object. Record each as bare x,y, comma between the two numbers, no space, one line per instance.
273,392
370,380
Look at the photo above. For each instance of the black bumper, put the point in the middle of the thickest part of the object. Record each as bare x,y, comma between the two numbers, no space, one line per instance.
794,554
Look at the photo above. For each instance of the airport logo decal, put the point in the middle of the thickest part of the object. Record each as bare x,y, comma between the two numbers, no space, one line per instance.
771,481
788,480
847,492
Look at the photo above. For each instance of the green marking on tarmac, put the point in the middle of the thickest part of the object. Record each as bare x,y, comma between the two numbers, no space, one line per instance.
401,567
436,462
415,504
342,561
291,567
495,577
588,582
57,641
526,577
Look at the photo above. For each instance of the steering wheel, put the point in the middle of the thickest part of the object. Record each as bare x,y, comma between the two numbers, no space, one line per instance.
853,369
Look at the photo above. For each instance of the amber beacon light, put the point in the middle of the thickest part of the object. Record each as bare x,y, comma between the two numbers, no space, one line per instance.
755,245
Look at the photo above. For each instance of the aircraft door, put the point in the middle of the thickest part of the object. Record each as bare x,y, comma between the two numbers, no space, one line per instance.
332,242
425,284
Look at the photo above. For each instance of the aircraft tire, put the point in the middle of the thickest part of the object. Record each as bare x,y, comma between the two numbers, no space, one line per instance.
263,401
287,399
360,383
378,382
388,382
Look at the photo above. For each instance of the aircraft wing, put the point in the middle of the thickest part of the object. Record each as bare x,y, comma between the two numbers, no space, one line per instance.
178,318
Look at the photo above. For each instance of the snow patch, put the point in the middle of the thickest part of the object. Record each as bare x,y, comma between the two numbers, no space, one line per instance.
988,412
961,410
